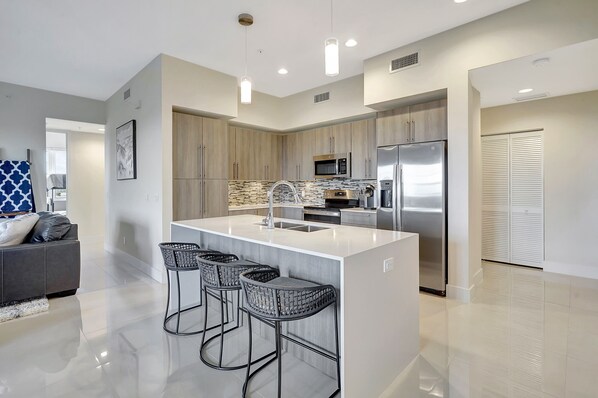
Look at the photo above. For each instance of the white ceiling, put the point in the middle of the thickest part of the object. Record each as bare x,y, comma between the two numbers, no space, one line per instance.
92,48
70,125
572,69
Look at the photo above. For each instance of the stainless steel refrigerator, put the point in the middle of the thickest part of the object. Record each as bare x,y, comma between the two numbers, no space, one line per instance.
412,195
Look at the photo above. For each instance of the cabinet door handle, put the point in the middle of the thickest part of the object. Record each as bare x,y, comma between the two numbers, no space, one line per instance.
333,145
203,159
370,164
408,131
203,198
413,131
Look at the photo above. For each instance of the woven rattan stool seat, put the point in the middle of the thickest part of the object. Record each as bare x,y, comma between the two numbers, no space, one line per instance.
180,257
272,298
220,273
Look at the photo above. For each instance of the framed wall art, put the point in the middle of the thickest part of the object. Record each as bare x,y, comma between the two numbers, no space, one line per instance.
126,163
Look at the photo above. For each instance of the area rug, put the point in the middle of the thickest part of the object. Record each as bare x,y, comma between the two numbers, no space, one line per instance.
23,308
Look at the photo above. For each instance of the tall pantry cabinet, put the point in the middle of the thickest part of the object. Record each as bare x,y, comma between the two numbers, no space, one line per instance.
200,167
513,198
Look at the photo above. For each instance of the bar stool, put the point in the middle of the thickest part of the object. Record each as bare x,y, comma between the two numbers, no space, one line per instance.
180,257
220,274
272,298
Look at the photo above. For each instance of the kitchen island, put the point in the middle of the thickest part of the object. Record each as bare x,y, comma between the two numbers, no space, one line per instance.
379,305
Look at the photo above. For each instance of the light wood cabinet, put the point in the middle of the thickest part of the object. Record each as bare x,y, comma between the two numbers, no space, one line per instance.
333,139
299,149
393,127
358,219
415,123
255,155
363,149
200,167
307,150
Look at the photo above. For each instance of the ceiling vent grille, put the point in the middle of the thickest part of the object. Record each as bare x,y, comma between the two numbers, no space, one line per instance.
408,61
321,97
531,97
127,94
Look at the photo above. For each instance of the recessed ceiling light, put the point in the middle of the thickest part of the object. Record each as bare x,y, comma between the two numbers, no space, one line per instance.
102,129
282,71
351,43
525,90
460,1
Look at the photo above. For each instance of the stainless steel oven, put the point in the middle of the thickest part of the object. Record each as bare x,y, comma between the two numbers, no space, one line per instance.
333,165
334,201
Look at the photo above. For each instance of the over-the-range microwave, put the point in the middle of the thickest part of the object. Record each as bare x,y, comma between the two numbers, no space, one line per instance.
333,165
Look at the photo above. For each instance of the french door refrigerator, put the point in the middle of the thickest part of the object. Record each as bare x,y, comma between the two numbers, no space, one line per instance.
412,195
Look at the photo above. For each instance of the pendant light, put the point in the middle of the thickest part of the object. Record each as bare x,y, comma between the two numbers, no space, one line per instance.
331,61
245,20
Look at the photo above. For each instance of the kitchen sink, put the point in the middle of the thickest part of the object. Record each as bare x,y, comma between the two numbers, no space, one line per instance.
308,228
296,227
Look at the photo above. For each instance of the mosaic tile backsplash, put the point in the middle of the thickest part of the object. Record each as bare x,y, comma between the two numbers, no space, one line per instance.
255,192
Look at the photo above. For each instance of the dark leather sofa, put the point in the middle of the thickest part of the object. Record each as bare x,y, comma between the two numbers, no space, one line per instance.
33,270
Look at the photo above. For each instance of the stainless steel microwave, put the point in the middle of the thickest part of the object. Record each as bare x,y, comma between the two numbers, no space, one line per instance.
333,165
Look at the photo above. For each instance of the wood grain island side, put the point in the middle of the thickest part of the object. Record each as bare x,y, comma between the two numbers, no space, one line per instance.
379,311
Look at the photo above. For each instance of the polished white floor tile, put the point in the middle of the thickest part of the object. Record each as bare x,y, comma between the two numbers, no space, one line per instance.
525,334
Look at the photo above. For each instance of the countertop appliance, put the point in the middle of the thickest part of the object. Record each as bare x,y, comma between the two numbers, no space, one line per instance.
334,200
333,165
367,199
412,194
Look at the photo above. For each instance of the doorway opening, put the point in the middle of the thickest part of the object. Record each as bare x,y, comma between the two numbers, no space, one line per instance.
75,174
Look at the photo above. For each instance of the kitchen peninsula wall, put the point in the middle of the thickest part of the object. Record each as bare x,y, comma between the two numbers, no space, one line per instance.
255,192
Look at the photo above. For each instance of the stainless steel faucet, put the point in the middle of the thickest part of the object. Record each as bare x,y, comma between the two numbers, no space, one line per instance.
269,220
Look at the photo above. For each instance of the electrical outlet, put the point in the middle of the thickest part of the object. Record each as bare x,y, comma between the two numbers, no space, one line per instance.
389,264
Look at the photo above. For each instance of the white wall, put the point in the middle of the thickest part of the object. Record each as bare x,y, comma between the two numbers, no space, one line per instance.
134,207
532,27
139,211
570,126
85,184
346,102
23,113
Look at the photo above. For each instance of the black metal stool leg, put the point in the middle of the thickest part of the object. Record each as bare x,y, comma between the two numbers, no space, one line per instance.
248,356
222,327
167,299
205,316
178,291
279,354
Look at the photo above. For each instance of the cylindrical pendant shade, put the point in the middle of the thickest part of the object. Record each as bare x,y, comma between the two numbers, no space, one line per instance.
331,56
245,90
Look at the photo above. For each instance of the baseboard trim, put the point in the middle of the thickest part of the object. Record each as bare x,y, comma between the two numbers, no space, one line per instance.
91,239
465,294
153,272
580,270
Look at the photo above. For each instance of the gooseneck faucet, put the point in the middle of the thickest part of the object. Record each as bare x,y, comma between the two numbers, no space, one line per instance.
269,220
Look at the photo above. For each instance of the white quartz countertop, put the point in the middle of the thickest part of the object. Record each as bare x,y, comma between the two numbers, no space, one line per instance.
337,242
359,210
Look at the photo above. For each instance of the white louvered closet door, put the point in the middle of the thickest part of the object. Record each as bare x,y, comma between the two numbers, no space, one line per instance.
495,198
527,199
513,198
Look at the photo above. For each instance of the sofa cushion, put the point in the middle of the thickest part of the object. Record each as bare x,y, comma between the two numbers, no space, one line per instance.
50,227
14,231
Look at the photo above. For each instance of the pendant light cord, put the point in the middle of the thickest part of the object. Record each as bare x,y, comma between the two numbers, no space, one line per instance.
246,51
331,17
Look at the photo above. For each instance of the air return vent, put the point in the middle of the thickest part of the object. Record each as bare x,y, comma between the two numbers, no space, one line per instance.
127,94
407,61
531,97
322,97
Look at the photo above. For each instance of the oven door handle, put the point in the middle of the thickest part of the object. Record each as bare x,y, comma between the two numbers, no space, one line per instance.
322,213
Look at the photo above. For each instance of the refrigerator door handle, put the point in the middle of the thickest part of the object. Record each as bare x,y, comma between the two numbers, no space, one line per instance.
396,211
400,197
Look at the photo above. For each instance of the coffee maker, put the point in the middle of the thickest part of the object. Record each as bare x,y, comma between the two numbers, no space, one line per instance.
367,199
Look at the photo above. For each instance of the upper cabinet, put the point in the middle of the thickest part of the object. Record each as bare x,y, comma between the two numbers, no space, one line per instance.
200,167
363,149
333,139
199,147
414,123
254,154
299,149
